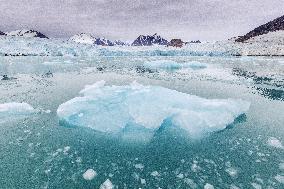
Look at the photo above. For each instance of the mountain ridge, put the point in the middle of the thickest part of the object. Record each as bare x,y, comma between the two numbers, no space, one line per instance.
149,40
26,33
272,26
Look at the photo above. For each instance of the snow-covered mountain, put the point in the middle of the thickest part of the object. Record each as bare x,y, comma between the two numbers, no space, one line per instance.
83,38
26,33
119,43
275,25
104,42
149,40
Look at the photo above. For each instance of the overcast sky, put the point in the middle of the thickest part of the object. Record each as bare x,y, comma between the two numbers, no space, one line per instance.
126,19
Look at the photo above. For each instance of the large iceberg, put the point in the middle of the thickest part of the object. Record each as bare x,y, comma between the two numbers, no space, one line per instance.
114,109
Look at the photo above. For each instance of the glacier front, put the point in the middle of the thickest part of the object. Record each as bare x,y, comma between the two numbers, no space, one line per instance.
114,109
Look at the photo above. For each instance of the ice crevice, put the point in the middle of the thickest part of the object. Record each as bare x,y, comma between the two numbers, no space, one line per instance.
115,109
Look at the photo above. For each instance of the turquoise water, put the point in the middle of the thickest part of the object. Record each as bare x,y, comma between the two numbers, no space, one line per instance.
36,152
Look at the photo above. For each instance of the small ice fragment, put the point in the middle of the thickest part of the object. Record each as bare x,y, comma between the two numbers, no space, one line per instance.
79,160
281,166
195,167
143,181
139,166
234,187
66,149
274,142
155,174
256,186
190,183
90,174
208,186
107,185
279,178
232,172
180,176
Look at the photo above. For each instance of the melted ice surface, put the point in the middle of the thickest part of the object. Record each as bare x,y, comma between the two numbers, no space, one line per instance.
112,108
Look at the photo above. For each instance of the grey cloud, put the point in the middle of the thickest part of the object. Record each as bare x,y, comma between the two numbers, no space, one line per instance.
126,19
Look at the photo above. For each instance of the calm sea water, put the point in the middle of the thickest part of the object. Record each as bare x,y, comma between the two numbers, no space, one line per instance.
36,152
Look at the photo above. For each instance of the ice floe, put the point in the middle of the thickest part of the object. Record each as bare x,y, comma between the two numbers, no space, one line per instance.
112,109
15,109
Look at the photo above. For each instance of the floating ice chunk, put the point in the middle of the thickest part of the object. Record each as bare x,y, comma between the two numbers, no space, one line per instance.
155,174
15,109
208,186
172,65
232,171
279,178
107,185
90,174
256,186
180,176
190,183
274,142
139,166
114,108
281,166
66,149
143,181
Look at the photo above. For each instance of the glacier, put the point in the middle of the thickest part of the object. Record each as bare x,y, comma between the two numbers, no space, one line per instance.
172,65
114,109
82,45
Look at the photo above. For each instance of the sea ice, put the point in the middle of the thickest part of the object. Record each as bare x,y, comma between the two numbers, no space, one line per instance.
113,108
